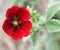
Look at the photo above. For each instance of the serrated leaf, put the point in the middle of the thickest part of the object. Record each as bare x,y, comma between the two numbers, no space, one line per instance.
53,26
52,10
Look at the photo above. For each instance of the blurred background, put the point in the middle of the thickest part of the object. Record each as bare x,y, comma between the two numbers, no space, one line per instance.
8,44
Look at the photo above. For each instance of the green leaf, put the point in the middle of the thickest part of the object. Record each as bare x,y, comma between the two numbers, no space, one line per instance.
52,26
52,10
34,37
57,16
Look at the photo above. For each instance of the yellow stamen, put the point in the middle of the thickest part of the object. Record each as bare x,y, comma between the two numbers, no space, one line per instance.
15,23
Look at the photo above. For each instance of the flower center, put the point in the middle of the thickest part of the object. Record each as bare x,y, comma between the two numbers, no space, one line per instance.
15,23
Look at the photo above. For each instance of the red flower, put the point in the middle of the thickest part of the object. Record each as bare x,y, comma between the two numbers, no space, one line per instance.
17,24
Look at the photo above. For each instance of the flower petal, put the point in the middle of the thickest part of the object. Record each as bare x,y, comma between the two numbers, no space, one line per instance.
26,25
27,33
6,27
23,14
18,34
11,12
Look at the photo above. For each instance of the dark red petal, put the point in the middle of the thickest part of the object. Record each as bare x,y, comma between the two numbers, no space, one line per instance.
26,25
23,14
27,33
6,27
18,34
11,12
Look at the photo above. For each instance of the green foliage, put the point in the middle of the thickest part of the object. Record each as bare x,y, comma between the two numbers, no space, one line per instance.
35,18
34,36
57,15
53,26
52,18
52,10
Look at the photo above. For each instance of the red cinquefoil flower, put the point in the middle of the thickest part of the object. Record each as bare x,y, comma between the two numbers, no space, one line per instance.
17,24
